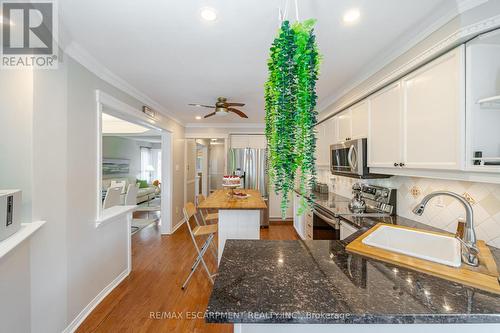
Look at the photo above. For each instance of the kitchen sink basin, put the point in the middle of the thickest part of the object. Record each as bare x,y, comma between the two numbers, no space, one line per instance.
441,249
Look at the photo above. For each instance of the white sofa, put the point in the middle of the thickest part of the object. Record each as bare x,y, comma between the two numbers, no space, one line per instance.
144,194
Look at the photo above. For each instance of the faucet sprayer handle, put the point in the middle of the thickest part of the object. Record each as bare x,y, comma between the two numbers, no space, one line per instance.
470,247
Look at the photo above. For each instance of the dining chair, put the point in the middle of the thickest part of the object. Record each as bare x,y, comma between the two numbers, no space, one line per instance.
119,183
131,196
205,215
206,232
112,197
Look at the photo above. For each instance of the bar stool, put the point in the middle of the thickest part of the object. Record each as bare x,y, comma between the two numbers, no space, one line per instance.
199,231
205,215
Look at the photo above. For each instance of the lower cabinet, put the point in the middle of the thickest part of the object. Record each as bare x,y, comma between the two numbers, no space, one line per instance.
299,220
346,230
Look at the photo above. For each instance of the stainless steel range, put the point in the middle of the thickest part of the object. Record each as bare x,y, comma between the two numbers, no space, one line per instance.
335,216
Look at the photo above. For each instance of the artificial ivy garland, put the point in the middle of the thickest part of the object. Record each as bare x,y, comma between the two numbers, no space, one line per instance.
290,96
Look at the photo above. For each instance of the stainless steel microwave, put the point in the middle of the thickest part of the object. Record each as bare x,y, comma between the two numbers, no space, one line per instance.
350,159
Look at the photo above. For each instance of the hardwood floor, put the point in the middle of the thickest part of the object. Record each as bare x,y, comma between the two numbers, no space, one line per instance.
159,266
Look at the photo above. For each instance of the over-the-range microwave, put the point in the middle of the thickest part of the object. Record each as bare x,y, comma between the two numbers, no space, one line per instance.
350,159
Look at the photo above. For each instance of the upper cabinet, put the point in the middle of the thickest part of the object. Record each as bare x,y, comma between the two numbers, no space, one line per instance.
322,146
359,120
344,126
434,113
248,141
483,103
385,124
419,122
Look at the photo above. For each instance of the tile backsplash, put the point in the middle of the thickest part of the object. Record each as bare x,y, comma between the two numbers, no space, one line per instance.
441,212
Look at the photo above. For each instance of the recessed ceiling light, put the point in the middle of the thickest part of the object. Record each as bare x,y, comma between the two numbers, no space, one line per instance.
352,15
198,117
208,14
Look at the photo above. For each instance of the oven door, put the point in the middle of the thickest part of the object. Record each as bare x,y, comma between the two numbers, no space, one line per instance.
347,157
325,226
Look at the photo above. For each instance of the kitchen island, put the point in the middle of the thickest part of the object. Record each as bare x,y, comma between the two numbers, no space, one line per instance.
239,218
264,286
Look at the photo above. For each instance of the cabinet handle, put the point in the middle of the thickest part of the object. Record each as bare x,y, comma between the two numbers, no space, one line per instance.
401,164
395,164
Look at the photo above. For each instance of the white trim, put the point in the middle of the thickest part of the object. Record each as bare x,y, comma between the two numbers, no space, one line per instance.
470,176
167,156
445,44
113,213
73,326
25,232
225,125
177,226
78,53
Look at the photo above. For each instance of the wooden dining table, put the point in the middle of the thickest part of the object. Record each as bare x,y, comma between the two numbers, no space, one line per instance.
239,218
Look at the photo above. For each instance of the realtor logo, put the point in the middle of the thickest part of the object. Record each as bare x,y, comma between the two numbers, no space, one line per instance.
29,29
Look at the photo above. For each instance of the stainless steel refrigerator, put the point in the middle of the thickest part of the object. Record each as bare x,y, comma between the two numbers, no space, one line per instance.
251,165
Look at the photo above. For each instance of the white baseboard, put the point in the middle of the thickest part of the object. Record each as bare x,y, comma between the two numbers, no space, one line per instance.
91,306
177,226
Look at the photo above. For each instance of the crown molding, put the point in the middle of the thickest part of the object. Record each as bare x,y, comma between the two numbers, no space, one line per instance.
78,53
225,125
452,40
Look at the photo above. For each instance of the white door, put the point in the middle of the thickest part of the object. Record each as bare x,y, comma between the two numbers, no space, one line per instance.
435,113
385,124
359,120
344,126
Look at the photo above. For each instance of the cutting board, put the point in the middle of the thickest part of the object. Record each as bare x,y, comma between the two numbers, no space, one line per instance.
484,277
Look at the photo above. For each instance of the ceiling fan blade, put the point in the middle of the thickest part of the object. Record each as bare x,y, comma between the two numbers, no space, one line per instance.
234,104
202,106
238,112
210,115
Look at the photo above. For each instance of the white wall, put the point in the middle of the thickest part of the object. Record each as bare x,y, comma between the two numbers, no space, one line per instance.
51,116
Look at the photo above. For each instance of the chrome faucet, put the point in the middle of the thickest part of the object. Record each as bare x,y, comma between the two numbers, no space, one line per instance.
468,242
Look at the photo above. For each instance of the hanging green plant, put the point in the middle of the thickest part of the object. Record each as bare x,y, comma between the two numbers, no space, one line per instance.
290,97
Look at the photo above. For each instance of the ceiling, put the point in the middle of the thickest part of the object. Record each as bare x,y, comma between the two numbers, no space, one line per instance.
165,50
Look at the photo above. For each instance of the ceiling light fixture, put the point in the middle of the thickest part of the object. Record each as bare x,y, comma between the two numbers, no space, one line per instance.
352,16
208,14
198,117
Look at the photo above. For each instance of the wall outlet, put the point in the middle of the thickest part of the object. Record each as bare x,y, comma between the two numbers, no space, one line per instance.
469,198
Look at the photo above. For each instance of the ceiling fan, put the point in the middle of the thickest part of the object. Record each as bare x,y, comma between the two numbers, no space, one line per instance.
222,108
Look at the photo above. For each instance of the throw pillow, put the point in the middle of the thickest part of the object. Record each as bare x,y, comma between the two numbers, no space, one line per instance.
142,183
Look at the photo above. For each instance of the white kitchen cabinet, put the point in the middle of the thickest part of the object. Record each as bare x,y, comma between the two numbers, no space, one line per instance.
359,120
248,141
275,205
322,145
434,114
346,230
483,103
298,219
344,126
331,133
385,127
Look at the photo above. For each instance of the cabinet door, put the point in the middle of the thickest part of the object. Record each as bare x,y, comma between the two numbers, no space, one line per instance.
384,125
346,230
298,220
344,125
321,145
239,141
331,133
359,120
257,141
434,113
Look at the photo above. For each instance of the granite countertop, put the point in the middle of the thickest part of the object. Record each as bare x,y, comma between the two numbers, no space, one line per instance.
318,282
